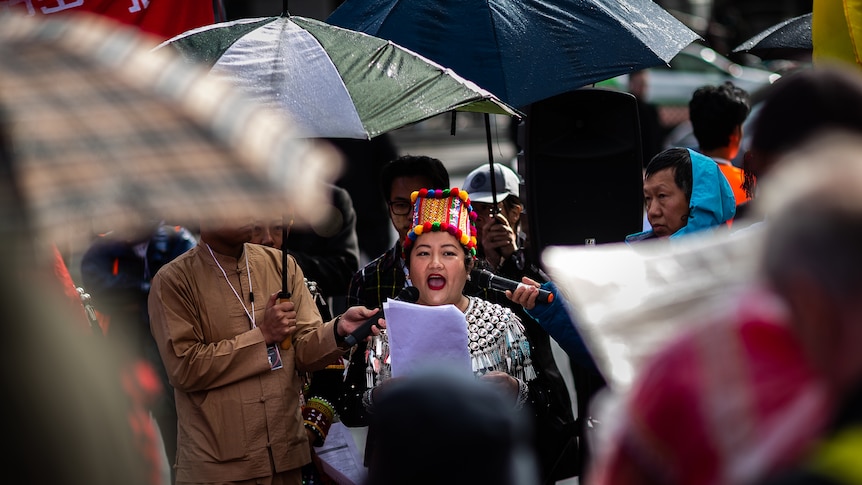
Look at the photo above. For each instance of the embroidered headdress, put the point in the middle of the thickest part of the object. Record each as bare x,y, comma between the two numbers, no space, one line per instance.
443,210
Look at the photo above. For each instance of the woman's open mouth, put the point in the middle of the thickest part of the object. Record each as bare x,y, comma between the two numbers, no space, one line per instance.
436,282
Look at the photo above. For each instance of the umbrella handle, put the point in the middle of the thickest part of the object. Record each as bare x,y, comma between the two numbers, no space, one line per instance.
283,297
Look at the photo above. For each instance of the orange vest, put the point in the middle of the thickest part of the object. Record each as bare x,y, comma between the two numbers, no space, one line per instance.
735,176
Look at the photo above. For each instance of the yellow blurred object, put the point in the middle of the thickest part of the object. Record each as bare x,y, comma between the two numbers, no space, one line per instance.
836,31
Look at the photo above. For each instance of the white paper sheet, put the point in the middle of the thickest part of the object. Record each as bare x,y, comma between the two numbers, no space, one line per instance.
423,336
340,458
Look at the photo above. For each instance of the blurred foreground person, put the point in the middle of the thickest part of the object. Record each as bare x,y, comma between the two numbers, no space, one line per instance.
234,360
117,272
439,427
812,259
76,406
725,402
797,108
684,192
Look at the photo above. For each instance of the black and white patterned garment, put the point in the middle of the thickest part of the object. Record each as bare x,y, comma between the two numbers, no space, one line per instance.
497,342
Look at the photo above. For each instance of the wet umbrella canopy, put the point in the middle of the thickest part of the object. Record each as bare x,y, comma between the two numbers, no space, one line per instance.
790,39
526,50
334,82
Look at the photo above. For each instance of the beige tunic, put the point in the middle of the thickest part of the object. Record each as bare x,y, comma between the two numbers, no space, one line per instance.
232,408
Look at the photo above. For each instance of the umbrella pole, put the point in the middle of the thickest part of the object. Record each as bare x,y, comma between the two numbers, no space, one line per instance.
284,9
494,209
284,294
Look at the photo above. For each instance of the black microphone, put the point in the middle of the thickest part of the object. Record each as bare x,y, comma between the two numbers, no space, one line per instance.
409,294
488,280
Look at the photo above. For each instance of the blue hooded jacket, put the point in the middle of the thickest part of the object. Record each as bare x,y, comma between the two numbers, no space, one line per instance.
712,201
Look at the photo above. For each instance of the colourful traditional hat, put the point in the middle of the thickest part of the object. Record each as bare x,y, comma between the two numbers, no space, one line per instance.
443,210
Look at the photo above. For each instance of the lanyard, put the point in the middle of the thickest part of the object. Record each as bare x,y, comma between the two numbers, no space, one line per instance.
250,292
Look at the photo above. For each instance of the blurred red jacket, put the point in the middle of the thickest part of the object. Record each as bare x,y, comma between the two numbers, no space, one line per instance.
726,403
162,18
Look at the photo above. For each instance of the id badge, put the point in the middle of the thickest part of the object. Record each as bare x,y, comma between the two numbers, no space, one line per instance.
274,357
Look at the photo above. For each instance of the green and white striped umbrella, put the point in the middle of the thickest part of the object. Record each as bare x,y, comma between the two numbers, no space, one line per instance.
334,82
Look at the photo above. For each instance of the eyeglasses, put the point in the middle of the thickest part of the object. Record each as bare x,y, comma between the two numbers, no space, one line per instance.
483,208
400,207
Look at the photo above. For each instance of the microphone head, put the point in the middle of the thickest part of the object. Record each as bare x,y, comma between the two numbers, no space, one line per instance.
410,294
481,277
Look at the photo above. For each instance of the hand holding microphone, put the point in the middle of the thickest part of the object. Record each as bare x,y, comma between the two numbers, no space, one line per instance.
488,280
408,294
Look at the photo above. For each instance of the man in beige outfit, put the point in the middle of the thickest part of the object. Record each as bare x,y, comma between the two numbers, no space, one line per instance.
233,350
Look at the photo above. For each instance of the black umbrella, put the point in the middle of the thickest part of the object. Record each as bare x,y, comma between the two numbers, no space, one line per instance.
790,39
524,51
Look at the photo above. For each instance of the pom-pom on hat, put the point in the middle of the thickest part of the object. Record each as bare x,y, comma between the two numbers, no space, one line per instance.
447,210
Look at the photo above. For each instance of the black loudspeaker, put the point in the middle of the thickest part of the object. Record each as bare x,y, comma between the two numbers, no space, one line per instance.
582,169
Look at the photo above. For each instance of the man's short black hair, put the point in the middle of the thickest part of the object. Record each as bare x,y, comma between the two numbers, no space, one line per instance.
413,166
715,111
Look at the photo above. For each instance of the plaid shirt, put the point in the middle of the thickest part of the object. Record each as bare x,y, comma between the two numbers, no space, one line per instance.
378,280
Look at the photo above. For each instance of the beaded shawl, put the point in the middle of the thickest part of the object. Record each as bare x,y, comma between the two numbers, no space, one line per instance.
497,342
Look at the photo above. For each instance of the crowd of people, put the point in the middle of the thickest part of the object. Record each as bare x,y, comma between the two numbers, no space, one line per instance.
259,381
247,343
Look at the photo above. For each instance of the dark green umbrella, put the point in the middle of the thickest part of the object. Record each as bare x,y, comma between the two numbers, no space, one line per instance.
334,82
